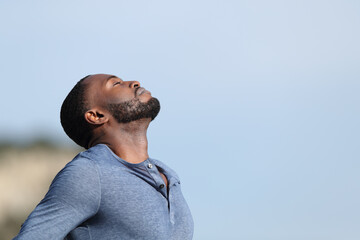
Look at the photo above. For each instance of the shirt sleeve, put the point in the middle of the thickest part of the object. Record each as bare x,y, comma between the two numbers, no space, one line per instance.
73,197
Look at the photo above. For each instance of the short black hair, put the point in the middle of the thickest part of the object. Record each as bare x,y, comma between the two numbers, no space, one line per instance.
72,115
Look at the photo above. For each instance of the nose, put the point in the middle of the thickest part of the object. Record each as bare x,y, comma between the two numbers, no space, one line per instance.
134,84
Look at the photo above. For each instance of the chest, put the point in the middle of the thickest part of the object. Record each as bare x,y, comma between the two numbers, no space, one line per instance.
141,203
137,207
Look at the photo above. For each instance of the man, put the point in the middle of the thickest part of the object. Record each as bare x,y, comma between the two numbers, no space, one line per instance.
113,190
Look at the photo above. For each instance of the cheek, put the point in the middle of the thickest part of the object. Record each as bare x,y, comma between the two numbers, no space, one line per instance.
118,98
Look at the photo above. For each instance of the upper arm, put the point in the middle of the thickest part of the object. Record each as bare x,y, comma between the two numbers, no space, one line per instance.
73,196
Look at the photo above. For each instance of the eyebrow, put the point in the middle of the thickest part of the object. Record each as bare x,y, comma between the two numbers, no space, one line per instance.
112,76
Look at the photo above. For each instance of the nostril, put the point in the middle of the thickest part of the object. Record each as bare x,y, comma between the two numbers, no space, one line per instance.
135,84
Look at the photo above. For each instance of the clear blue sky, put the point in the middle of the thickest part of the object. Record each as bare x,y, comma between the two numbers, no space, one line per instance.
260,100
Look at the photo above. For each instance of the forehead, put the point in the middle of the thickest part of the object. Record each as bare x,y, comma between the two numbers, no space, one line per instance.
96,82
98,79
95,85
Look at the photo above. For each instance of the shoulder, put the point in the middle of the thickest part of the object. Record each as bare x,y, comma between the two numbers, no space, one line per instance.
80,163
89,158
95,152
80,170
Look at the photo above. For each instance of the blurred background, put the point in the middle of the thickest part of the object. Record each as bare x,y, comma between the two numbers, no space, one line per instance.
260,105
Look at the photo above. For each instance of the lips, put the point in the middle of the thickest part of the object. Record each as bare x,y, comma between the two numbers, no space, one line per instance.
140,91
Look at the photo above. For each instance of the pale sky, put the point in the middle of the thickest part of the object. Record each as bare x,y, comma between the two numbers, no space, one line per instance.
260,100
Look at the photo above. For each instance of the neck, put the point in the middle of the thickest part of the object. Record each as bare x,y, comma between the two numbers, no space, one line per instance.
127,140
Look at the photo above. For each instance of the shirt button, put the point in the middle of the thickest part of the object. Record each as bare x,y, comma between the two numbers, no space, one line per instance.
162,186
150,165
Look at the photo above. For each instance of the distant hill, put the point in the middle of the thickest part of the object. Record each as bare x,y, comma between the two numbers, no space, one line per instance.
26,171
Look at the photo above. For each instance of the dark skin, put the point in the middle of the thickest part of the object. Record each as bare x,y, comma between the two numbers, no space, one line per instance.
126,140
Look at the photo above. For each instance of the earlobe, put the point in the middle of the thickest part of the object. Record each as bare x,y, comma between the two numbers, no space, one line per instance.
95,117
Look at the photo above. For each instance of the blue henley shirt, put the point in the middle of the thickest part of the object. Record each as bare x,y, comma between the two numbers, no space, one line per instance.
101,196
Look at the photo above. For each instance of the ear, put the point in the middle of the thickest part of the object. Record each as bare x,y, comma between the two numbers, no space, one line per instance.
95,117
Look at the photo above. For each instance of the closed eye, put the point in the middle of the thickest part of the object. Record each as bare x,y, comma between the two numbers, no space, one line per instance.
116,83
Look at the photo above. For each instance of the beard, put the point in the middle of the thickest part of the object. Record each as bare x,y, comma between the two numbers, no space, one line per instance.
133,110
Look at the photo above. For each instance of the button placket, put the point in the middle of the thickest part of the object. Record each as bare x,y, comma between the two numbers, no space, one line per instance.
159,182
170,202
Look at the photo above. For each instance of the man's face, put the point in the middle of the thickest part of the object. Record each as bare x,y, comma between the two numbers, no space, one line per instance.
126,101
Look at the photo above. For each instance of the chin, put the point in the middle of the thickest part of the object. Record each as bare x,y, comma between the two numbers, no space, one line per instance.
145,98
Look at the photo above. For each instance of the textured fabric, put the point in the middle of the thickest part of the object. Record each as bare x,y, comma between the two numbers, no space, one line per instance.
100,196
